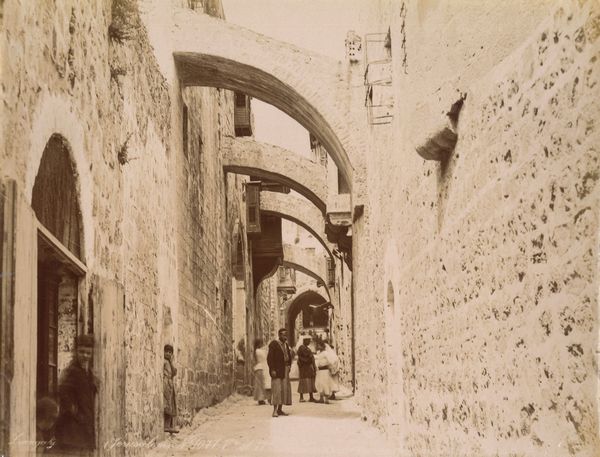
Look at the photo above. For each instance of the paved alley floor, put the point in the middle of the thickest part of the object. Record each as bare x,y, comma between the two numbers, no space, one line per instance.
239,427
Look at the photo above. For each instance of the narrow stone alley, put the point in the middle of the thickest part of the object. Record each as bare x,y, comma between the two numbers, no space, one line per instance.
240,427
201,200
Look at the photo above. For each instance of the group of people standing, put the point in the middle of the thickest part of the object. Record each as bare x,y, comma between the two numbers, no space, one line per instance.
317,372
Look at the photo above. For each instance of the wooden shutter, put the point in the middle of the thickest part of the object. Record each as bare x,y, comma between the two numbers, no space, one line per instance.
330,272
253,207
18,341
109,363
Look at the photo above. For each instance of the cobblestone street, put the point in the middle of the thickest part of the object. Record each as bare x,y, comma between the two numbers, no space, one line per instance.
239,427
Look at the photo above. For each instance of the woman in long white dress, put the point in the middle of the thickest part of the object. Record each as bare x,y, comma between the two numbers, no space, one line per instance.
323,381
262,380
334,367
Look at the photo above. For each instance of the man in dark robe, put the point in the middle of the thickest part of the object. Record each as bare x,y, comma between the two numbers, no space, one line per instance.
307,370
279,360
75,427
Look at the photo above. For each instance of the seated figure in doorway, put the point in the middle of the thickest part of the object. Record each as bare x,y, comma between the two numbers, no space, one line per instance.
75,427
46,416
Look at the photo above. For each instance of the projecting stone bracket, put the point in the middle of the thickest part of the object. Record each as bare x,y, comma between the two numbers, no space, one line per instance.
341,235
439,141
339,210
338,226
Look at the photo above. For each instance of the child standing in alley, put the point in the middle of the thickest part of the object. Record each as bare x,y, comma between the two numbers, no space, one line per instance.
169,372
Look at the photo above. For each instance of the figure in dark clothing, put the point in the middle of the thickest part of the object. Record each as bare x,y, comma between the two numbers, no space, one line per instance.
170,401
279,360
75,427
45,421
307,370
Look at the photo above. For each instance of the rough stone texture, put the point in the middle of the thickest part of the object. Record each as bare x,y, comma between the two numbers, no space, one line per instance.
492,256
342,326
246,156
156,222
475,280
207,229
267,303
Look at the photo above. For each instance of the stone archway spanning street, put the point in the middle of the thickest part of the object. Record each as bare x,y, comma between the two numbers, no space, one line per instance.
299,211
293,307
310,88
308,262
246,156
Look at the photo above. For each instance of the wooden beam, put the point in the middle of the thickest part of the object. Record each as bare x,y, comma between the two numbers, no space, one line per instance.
7,300
77,265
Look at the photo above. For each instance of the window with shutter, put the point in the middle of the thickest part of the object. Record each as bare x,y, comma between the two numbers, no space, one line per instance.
330,272
253,207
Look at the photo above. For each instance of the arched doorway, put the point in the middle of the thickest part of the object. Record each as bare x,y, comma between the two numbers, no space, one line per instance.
315,316
61,315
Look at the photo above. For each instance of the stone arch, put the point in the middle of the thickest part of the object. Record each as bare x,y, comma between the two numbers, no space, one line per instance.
308,262
299,211
308,272
297,304
54,196
253,158
308,87
60,276
55,115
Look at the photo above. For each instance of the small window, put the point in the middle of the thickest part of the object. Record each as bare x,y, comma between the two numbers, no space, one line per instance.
253,207
240,100
330,272
242,118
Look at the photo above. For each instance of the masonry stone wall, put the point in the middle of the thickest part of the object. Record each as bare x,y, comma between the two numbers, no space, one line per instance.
495,276
156,221
342,321
210,206
267,302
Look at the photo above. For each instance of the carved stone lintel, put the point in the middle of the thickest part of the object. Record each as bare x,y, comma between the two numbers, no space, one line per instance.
339,210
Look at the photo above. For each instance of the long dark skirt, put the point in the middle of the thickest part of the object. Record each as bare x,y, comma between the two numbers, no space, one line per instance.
306,386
